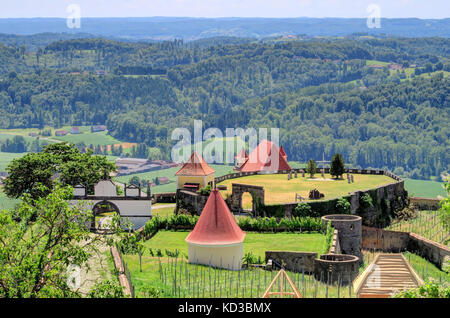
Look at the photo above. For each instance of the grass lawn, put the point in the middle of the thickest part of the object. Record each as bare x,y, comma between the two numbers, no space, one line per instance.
163,212
257,243
280,190
424,188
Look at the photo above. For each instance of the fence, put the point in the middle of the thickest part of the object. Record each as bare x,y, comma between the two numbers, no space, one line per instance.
126,271
184,280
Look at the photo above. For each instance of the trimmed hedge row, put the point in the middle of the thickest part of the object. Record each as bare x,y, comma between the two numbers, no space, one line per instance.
259,224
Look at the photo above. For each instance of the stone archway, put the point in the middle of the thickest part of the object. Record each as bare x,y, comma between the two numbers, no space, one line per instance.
100,208
239,189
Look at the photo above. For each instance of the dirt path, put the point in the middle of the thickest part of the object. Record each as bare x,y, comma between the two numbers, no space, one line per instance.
99,269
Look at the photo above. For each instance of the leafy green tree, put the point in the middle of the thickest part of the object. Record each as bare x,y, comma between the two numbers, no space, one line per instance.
61,162
311,167
343,206
106,289
35,253
337,165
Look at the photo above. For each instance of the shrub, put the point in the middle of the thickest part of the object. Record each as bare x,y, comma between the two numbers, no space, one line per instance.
343,206
366,201
430,289
304,210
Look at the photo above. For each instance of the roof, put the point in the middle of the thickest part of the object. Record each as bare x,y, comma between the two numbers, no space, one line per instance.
216,225
261,158
195,166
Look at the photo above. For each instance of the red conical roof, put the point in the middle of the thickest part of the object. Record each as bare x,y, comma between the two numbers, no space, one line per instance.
195,166
216,225
260,158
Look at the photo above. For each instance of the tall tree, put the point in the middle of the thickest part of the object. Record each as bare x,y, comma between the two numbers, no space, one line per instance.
337,167
36,252
311,167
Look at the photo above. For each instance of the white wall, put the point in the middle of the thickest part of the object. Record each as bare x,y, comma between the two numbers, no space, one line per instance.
228,257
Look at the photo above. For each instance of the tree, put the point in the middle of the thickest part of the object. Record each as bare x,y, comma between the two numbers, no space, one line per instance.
35,253
337,165
311,167
61,162
106,289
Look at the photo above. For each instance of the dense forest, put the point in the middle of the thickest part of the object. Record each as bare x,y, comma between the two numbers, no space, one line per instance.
324,94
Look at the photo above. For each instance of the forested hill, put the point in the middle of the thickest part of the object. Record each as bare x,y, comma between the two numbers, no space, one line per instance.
331,95
166,28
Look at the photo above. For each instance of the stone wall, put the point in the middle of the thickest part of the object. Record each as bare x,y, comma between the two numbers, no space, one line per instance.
239,189
294,261
334,268
335,247
349,232
387,199
387,241
394,241
191,201
436,253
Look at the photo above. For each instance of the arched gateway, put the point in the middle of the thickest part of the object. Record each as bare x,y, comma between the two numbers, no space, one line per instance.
132,205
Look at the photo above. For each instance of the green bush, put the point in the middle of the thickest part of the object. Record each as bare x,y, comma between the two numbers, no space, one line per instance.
304,210
342,206
366,201
430,289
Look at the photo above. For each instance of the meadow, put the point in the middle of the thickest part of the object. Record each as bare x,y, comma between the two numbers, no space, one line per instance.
424,188
280,190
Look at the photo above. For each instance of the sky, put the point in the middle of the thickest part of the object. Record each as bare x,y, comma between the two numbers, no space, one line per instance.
425,9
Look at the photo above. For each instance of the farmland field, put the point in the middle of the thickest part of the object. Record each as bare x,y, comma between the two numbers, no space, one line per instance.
7,203
424,188
280,190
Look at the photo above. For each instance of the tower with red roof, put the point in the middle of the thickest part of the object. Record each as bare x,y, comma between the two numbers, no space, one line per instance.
266,157
195,173
216,239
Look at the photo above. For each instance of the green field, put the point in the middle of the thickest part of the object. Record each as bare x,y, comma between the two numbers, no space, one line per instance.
7,203
424,188
257,243
278,189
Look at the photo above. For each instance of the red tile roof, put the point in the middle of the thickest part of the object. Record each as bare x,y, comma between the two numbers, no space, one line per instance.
195,166
260,158
216,225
